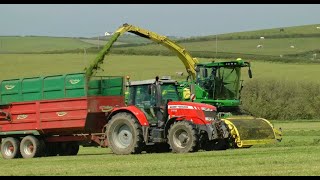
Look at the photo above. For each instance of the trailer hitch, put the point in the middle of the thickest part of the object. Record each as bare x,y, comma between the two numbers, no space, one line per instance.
6,115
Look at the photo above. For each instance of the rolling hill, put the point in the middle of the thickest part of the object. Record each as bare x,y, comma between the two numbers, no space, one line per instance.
284,44
289,44
32,44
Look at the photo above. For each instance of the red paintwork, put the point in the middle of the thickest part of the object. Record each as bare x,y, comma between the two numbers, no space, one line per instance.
193,113
63,116
136,112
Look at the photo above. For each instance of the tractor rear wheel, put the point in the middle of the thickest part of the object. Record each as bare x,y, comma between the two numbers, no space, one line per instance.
10,148
183,137
124,134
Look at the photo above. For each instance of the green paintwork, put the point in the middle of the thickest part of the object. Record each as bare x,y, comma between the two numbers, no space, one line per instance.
59,86
221,89
34,132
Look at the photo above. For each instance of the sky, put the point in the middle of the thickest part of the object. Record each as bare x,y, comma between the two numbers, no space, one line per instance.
183,20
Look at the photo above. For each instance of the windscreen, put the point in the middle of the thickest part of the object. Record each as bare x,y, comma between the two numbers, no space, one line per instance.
169,91
220,82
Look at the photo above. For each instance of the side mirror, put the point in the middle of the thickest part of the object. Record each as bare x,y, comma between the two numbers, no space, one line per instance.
250,73
197,69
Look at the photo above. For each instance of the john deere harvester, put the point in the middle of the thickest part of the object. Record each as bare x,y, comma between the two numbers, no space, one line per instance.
215,83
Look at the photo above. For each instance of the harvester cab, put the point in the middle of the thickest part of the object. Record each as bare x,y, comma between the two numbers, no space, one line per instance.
220,84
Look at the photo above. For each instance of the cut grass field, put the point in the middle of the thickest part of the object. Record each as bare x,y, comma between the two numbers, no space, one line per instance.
297,155
138,67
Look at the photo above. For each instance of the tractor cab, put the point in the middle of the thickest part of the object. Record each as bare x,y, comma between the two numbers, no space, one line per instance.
152,97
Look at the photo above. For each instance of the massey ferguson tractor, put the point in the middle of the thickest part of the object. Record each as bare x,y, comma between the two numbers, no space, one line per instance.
165,120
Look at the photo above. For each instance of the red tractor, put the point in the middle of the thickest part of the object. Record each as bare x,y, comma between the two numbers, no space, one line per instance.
156,120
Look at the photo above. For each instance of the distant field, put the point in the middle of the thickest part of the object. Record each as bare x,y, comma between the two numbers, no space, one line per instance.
310,30
275,47
39,44
99,42
138,67
304,39
298,154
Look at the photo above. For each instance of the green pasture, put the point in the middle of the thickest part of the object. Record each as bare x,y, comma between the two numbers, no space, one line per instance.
99,42
138,67
297,155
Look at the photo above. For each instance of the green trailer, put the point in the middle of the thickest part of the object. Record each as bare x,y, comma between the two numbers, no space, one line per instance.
58,87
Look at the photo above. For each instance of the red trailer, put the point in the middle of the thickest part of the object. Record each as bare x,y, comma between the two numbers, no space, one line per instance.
60,118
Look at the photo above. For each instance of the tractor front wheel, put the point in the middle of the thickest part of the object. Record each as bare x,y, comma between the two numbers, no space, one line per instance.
183,137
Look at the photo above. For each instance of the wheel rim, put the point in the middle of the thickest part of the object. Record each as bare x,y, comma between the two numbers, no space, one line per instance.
8,149
122,136
28,147
181,138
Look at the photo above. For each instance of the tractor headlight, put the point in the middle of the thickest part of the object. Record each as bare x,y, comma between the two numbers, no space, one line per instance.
209,114
206,109
210,118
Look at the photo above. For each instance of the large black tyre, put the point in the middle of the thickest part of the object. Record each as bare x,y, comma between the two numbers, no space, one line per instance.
10,148
30,147
183,137
43,148
69,149
52,149
124,134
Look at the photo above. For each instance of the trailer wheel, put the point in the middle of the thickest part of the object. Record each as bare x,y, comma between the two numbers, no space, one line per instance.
124,134
51,149
69,149
183,137
74,148
30,147
10,148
